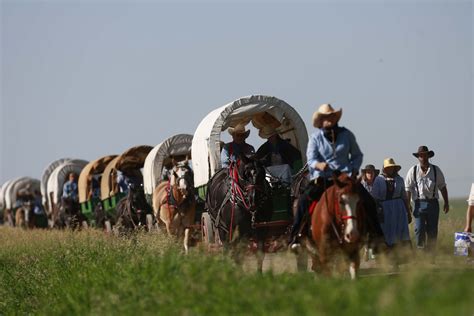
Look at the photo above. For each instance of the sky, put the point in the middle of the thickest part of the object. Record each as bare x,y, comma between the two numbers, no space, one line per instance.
85,79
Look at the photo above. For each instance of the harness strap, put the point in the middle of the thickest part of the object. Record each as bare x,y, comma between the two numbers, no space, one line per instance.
416,183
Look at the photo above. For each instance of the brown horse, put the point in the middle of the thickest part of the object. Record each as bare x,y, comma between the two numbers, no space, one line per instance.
174,203
338,223
24,216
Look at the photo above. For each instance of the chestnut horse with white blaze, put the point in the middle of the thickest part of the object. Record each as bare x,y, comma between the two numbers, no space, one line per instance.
174,202
337,223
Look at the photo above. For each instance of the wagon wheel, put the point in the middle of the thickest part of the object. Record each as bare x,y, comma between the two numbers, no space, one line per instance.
207,229
108,226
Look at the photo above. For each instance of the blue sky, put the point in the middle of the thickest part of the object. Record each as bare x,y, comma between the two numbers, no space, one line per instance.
88,78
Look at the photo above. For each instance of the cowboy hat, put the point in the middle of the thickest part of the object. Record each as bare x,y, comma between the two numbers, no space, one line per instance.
260,120
323,111
371,168
239,129
267,132
389,162
423,149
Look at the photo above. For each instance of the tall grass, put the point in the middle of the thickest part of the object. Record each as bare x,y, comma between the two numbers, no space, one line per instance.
61,272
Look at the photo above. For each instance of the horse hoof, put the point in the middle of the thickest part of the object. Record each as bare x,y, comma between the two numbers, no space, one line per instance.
295,248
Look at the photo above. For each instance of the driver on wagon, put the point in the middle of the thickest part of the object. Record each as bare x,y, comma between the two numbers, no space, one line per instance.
70,190
277,151
237,147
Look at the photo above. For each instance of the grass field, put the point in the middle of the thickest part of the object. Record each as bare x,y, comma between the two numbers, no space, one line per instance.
68,273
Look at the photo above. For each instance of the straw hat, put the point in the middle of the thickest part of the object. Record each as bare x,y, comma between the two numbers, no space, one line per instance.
260,120
323,111
371,168
389,162
267,132
423,149
239,129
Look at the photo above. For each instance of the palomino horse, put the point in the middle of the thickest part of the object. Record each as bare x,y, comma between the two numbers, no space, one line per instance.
174,202
24,216
238,198
337,222
133,211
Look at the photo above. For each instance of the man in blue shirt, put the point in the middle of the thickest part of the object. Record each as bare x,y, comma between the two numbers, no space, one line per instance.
330,148
70,190
232,151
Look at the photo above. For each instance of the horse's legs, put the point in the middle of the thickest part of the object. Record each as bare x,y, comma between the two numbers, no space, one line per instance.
302,260
323,256
186,240
354,264
19,218
260,255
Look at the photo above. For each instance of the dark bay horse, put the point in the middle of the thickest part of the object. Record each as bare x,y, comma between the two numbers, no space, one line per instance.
102,218
133,211
338,223
174,202
67,214
237,198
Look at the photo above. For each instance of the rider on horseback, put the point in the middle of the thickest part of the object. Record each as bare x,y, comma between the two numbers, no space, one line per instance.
329,149
232,151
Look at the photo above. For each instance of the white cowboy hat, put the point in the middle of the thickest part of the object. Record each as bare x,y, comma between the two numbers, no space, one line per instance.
389,162
325,110
239,129
267,132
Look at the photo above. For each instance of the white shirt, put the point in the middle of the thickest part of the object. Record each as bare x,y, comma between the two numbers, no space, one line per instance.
470,201
425,183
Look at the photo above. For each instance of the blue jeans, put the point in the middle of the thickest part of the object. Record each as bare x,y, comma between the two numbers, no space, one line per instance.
426,215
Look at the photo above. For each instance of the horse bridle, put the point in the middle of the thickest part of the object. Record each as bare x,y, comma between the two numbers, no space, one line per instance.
338,215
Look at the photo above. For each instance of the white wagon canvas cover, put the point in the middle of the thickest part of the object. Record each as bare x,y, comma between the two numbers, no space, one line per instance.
3,190
59,176
206,141
16,186
45,176
177,145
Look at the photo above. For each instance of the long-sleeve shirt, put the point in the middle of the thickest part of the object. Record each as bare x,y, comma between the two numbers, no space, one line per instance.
425,183
70,190
232,151
346,157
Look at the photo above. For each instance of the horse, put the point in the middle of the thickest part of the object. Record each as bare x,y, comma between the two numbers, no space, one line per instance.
238,198
102,218
24,216
67,214
338,223
8,217
133,211
174,202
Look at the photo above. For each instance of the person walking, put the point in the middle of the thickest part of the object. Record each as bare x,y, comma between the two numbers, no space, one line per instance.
369,173
422,183
470,211
389,192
